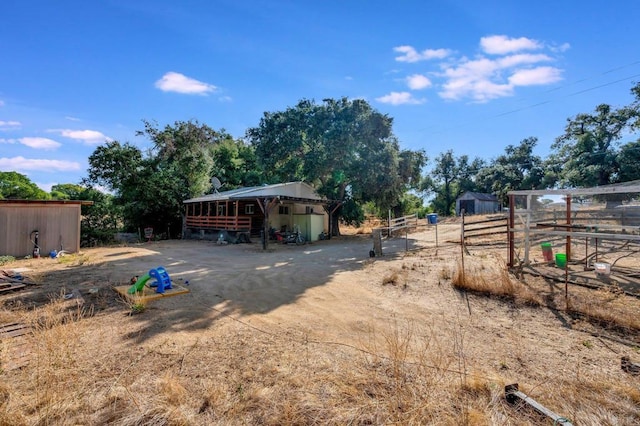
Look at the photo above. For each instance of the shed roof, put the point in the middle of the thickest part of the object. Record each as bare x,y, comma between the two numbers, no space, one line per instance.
299,191
480,196
48,202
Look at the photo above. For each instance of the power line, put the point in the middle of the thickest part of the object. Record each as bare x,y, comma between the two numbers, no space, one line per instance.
561,97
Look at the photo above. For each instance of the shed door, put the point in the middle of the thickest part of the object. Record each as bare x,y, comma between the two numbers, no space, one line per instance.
469,206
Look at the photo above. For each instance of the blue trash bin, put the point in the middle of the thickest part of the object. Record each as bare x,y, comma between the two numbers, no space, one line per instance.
432,219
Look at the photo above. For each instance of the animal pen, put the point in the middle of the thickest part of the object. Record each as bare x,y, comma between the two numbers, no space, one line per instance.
586,236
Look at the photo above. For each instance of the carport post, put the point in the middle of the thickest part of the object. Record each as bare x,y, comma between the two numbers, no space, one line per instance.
265,226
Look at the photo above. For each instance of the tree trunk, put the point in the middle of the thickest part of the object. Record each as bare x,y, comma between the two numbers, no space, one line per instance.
334,219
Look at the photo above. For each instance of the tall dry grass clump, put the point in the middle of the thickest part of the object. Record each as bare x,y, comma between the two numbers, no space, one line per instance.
46,390
497,282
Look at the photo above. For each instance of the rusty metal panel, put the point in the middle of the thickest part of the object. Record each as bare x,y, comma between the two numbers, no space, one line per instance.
58,227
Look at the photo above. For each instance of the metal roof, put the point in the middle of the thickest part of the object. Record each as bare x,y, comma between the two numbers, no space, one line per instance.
290,190
616,188
81,202
480,196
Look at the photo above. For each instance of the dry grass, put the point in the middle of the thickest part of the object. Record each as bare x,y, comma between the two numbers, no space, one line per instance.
605,309
499,283
396,278
402,375
84,371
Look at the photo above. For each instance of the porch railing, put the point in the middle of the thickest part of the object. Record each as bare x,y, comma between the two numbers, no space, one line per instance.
230,223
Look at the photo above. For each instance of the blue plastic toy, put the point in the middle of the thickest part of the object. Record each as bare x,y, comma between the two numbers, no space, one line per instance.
162,281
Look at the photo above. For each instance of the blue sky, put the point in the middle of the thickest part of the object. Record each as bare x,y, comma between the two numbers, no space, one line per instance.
472,76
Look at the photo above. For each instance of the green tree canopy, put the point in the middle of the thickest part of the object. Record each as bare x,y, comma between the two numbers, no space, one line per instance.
14,185
235,164
343,147
151,187
587,150
67,191
517,168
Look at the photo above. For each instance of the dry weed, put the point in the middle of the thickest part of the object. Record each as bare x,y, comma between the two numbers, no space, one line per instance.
498,283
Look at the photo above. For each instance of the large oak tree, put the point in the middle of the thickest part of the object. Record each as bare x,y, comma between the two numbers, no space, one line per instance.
344,148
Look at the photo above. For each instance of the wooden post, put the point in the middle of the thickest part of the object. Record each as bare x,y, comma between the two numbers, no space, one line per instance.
377,241
265,225
526,231
510,226
461,246
436,233
568,244
406,238
514,396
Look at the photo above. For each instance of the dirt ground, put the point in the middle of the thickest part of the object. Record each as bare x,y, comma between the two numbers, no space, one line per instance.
332,293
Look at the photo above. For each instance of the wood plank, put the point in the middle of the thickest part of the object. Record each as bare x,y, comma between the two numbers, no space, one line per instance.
18,345
14,329
14,333
12,287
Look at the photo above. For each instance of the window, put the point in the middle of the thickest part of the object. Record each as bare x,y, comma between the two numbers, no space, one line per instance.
308,210
248,209
221,210
283,210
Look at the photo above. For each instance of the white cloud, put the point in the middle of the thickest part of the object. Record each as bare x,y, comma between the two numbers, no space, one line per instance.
180,83
483,79
501,44
399,98
2,140
1,103
560,48
225,99
21,163
40,143
410,54
521,59
68,117
418,82
89,137
9,125
535,76
503,64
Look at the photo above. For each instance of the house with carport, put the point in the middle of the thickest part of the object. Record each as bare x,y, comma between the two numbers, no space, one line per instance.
257,210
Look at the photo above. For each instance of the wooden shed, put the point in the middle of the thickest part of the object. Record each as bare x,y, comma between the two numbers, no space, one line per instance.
57,223
477,203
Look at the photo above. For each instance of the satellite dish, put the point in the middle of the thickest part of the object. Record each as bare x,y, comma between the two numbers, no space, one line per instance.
216,184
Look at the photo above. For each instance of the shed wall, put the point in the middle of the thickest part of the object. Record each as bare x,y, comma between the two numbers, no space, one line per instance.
486,207
58,228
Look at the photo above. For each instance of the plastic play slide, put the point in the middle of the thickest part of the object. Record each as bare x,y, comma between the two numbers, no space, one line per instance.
139,285
161,277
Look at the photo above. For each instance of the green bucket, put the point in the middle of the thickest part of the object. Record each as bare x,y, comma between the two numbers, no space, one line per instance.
561,260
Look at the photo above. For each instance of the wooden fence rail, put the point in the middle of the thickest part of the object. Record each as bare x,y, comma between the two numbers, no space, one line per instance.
487,227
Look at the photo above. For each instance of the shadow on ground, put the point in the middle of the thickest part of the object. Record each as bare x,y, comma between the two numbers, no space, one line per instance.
235,280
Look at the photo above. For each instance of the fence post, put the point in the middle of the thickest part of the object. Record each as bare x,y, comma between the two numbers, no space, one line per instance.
461,245
377,241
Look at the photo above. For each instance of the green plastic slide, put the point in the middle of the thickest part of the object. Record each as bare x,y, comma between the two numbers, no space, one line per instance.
139,285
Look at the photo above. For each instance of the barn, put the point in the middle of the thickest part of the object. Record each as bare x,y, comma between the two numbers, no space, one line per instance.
477,203
53,224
